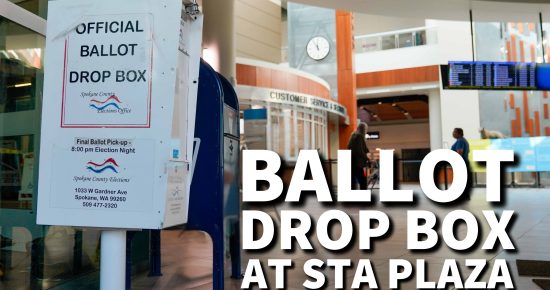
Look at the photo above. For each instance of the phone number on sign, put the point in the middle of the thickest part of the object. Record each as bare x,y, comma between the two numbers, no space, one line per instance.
99,204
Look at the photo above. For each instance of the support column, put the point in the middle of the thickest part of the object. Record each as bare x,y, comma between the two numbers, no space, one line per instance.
112,268
218,37
434,102
346,73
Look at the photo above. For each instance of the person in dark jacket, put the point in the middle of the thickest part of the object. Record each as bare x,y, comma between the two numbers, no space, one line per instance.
462,147
359,159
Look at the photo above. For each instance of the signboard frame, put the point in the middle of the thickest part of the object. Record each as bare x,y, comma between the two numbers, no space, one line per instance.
446,84
113,173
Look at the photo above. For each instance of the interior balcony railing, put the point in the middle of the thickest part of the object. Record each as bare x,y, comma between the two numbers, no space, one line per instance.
396,39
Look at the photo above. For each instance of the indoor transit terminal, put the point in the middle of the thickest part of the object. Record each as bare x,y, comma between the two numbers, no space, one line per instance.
274,144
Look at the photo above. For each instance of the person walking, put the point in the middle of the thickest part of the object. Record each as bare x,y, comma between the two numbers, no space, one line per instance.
359,159
462,147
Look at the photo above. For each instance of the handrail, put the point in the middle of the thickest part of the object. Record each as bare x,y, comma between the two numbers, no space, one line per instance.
395,32
411,37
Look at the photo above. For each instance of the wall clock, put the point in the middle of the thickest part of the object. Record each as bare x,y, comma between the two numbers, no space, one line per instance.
318,48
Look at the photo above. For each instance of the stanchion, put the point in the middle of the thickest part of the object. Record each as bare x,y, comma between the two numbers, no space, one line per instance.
154,254
129,237
445,176
113,260
77,251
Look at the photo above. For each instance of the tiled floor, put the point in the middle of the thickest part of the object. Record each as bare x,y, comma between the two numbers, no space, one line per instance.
187,255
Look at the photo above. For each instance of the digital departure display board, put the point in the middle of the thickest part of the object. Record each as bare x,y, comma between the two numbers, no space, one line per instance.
509,75
490,75
470,74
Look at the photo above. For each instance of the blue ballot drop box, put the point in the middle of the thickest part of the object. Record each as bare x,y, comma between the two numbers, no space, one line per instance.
214,201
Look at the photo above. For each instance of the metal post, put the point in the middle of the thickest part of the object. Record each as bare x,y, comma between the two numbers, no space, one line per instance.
113,259
445,176
37,258
129,237
234,248
5,255
77,252
154,254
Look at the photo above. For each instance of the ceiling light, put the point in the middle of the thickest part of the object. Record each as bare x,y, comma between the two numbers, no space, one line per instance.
13,53
22,85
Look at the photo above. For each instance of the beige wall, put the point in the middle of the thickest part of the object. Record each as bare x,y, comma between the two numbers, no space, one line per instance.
369,24
401,136
258,30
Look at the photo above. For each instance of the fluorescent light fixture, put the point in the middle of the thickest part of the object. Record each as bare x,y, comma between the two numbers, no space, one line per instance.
375,91
424,87
13,53
23,85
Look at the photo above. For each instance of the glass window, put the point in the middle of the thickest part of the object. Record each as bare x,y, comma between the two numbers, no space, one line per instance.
367,44
307,131
420,37
545,36
16,171
300,131
20,85
388,42
405,39
516,42
20,67
512,113
291,136
297,129
38,7
318,137
277,131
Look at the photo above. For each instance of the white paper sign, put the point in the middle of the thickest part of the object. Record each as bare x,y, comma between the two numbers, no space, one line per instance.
104,173
27,184
176,200
107,72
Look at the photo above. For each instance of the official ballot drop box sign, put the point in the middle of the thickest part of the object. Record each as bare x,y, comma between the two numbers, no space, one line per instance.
118,113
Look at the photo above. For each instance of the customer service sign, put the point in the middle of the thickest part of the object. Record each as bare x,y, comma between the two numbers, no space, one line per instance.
112,75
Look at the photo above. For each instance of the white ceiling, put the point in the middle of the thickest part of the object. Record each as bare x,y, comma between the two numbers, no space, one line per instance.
440,9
